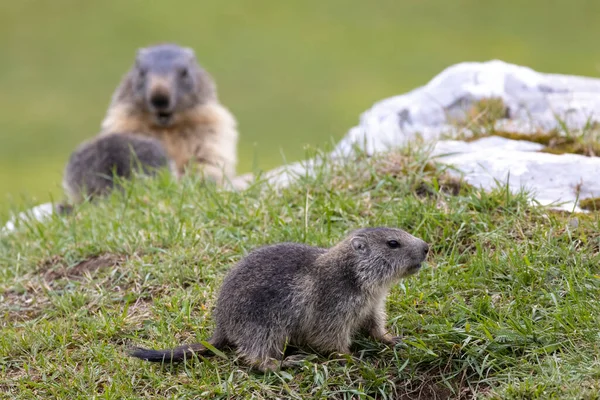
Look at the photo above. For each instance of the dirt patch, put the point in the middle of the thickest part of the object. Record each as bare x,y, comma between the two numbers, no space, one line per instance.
32,295
427,390
22,304
140,310
55,268
429,385
15,372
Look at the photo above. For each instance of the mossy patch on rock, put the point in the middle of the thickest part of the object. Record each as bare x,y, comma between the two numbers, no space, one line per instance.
585,149
483,115
487,111
539,137
554,142
590,204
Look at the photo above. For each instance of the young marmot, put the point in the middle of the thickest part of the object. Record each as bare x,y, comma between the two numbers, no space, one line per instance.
306,296
92,167
168,96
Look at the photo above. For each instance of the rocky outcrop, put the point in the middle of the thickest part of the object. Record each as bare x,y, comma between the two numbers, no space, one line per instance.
533,101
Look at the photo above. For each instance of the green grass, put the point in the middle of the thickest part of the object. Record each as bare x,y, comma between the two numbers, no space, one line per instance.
507,307
293,72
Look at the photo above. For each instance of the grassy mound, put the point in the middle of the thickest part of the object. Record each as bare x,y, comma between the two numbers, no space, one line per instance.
507,307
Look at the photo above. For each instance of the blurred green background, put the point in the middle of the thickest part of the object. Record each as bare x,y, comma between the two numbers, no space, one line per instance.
293,72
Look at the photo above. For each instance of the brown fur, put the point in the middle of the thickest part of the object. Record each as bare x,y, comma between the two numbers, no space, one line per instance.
200,133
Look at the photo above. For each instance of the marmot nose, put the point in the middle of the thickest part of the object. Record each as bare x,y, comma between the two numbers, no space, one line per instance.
425,249
160,101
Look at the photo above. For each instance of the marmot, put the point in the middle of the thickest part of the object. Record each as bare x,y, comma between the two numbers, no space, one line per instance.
92,167
306,296
168,96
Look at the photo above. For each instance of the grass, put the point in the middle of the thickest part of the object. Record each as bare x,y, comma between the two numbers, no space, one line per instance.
293,72
507,307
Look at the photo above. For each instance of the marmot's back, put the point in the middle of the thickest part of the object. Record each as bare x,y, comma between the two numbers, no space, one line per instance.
266,275
92,167
168,96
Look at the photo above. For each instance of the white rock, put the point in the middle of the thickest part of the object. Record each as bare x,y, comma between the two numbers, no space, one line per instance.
553,179
37,213
536,102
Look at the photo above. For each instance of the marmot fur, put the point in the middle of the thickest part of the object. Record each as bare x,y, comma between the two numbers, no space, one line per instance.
306,296
168,96
92,167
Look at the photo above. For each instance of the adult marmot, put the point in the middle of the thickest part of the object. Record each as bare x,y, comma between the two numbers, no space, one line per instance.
168,96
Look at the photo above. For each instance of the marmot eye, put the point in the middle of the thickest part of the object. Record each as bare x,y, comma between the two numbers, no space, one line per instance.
393,244
184,73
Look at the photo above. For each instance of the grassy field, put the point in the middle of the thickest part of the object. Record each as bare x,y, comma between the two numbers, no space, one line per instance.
293,72
506,308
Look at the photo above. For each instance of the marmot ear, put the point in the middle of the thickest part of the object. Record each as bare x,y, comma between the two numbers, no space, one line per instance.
190,52
141,52
360,245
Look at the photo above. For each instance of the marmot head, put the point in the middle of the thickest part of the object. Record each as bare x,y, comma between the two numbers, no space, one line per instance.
166,79
384,255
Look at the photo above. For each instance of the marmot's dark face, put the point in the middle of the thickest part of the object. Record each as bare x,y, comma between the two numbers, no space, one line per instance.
387,254
168,80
